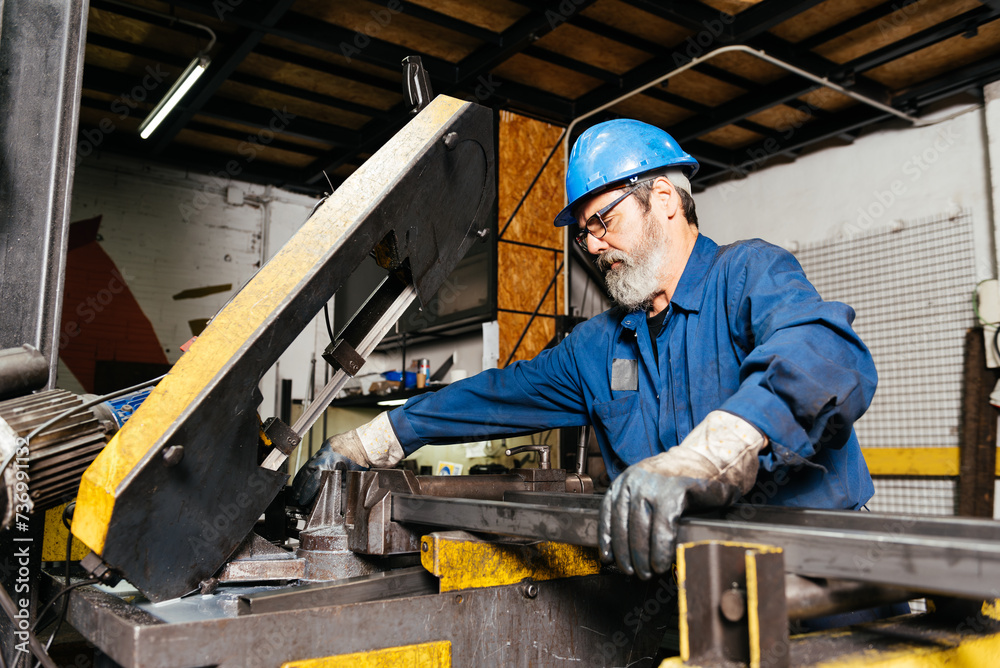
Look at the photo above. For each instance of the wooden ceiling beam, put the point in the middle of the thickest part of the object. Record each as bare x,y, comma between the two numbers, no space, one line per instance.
957,25
691,14
857,21
763,16
573,64
327,67
449,22
970,77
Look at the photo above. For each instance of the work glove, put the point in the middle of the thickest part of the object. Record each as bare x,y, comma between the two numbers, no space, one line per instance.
373,444
306,484
715,465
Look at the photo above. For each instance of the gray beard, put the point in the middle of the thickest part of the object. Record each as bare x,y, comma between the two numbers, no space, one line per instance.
636,281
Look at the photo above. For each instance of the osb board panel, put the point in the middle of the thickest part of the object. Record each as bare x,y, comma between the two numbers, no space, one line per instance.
593,49
731,6
649,110
781,117
139,32
512,324
748,66
400,29
647,26
333,57
253,130
316,81
731,137
896,26
495,15
226,145
939,58
299,107
523,274
702,88
552,78
819,18
524,145
827,99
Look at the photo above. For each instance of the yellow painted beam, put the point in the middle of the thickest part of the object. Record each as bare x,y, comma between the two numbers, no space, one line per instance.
425,655
912,461
465,562
968,652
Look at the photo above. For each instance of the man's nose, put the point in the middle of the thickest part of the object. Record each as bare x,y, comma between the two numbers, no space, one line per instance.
595,245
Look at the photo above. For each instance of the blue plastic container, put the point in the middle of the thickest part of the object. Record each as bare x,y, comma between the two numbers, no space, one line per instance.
411,378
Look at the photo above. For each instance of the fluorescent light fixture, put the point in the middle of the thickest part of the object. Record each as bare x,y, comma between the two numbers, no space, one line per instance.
392,402
174,95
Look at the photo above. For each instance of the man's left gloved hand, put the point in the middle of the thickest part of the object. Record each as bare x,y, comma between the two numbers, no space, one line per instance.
305,485
712,467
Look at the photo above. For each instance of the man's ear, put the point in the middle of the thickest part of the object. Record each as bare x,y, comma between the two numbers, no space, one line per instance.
665,195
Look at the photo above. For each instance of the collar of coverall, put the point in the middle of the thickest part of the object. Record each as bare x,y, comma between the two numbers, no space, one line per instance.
690,288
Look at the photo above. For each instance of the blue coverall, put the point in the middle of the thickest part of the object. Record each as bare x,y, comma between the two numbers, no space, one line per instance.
745,332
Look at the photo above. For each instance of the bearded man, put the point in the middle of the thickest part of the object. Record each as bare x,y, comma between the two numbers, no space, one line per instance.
719,367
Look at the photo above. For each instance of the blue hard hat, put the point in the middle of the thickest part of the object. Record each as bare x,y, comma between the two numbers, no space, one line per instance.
611,152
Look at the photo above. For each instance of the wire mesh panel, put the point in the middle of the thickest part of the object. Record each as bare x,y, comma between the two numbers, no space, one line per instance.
911,286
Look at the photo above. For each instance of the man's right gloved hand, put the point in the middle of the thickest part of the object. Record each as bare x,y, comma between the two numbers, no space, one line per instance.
711,467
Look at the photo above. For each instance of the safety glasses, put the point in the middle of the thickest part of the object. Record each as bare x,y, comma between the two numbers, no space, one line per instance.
596,225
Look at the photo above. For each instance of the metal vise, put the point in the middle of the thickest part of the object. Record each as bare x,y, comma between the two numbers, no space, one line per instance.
371,529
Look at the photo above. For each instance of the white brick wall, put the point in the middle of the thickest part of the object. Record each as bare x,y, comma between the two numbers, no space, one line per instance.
170,231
